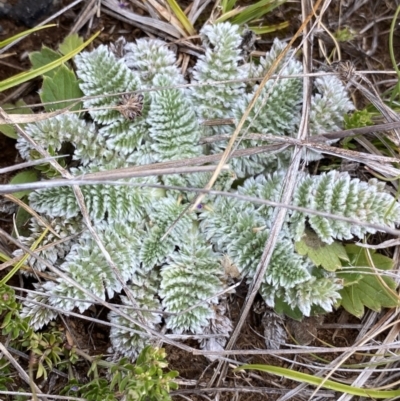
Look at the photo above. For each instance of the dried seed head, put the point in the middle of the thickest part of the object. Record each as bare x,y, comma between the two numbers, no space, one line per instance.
131,106
345,69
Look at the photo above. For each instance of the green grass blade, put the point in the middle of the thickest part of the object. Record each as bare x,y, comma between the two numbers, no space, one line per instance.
320,381
24,259
259,30
4,257
7,41
183,19
227,5
391,52
229,14
28,75
256,11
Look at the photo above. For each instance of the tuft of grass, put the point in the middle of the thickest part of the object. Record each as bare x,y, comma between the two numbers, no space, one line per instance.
28,75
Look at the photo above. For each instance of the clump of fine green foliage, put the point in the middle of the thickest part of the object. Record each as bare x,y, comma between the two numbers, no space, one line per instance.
46,347
145,380
168,259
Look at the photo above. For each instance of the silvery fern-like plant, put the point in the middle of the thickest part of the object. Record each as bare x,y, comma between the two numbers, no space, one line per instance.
55,248
241,231
190,281
102,75
277,109
116,203
89,147
36,305
328,107
86,265
336,193
128,340
221,62
164,215
276,112
167,258
172,108
149,58
319,293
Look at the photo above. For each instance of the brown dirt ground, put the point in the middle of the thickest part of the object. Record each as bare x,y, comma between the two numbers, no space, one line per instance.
362,51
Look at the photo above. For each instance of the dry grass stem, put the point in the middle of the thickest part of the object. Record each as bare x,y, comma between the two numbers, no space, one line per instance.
281,205
22,373
146,23
289,185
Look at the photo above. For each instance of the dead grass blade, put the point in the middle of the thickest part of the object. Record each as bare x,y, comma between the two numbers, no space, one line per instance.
21,371
357,131
264,391
280,205
302,350
98,178
363,377
29,118
349,75
145,23
30,211
175,16
42,396
381,326
312,144
87,12
8,261
31,163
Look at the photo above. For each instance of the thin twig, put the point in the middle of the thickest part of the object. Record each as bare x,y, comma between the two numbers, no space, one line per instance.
43,396
24,376
31,163
245,198
305,350
288,189
145,23
244,390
